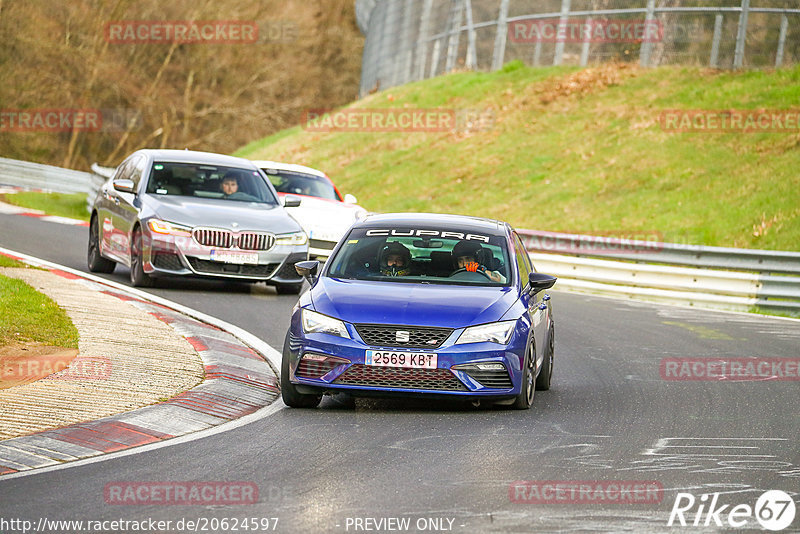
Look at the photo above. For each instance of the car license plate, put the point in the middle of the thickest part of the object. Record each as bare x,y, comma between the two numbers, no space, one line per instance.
234,257
390,358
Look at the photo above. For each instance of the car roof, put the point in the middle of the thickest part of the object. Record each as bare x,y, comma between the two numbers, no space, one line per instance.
292,167
440,220
192,156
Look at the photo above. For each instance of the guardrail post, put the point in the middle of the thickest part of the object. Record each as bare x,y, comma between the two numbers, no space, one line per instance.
437,51
586,43
537,54
472,56
715,42
741,35
457,12
562,22
500,38
424,36
782,41
647,46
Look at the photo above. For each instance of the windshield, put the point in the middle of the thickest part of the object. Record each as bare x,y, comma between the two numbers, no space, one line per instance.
209,181
422,255
297,183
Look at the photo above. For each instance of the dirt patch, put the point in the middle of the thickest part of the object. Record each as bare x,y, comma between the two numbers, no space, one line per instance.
26,362
584,82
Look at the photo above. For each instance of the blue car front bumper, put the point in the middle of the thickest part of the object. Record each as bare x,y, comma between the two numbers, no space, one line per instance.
326,363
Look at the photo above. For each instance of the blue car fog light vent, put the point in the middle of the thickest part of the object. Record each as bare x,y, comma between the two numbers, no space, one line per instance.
386,335
317,365
489,374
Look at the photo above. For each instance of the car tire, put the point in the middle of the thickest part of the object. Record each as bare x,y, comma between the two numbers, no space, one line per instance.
139,278
288,289
291,397
546,374
527,392
96,262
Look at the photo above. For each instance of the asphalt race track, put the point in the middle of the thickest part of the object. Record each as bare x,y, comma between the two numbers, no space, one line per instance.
609,419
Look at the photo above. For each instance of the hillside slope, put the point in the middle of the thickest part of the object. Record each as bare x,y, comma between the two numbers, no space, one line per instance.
581,151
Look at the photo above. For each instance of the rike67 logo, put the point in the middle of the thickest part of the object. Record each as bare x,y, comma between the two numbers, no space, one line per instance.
774,510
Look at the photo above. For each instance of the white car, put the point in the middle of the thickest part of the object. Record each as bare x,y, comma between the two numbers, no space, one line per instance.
323,213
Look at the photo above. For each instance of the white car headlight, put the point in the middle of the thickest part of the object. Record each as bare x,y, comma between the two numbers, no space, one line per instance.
314,322
492,332
296,238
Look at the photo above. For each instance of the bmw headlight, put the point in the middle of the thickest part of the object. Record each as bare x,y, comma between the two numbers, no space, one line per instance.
492,332
296,238
314,323
167,228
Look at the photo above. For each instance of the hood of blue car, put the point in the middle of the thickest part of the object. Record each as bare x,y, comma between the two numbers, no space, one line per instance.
453,306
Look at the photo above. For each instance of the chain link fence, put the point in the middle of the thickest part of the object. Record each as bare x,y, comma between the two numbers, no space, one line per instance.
408,40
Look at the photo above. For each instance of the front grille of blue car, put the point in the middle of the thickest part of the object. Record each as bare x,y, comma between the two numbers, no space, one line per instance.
383,335
400,377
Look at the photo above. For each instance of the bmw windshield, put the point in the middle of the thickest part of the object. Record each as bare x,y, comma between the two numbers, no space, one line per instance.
422,255
209,181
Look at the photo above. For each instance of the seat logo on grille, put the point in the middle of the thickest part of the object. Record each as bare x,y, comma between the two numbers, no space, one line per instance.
402,336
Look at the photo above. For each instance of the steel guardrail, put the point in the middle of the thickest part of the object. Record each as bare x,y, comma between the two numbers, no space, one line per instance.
718,277
46,177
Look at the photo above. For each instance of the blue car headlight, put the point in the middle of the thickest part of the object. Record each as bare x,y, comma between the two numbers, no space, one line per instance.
491,332
316,323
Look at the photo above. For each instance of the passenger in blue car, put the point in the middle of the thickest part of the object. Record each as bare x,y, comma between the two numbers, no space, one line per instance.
395,260
469,256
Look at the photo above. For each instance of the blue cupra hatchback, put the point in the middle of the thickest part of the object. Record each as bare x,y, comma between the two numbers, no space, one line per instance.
418,305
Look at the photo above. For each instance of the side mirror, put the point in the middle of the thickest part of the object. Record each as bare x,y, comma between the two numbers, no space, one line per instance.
540,282
290,201
126,186
350,199
308,270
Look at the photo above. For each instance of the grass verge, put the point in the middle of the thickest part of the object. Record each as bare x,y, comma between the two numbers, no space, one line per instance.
27,315
71,205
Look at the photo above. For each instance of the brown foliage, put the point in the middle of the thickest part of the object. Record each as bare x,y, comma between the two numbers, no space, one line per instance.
213,97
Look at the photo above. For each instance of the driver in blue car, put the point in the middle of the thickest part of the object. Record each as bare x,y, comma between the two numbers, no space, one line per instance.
395,260
466,255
